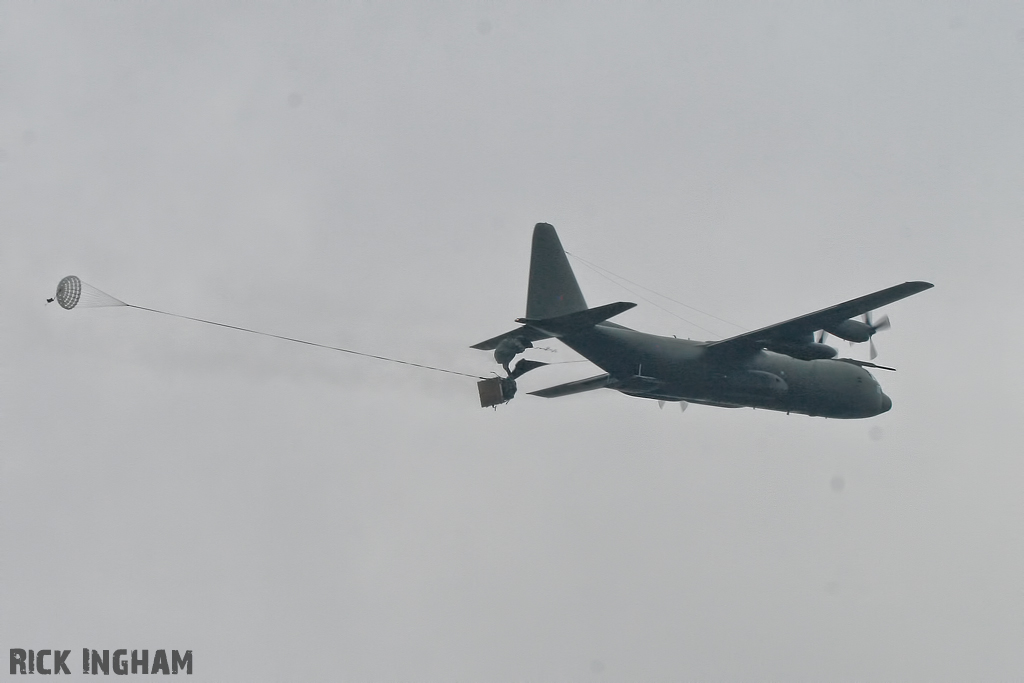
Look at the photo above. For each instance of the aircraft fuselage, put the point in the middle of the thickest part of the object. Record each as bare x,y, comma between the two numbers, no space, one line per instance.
671,369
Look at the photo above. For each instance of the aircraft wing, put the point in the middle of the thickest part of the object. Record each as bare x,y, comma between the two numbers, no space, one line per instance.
804,325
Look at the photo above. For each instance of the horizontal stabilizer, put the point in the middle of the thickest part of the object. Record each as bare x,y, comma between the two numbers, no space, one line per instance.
576,322
577,387
527,333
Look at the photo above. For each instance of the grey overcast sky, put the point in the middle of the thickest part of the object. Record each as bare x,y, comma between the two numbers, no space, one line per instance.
368,175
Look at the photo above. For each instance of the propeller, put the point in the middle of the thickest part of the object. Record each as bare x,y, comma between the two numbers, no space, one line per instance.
882,324
857,331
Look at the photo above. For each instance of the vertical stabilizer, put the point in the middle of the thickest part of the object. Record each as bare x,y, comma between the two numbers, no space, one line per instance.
553,289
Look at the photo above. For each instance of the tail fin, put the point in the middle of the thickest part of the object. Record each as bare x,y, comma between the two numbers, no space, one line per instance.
553,290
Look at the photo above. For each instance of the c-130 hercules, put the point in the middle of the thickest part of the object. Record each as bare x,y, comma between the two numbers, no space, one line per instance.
780,367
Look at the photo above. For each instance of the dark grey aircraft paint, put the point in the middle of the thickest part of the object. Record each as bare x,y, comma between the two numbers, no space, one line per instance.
779,367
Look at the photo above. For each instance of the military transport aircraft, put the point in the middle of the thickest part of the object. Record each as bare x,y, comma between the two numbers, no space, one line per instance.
780,367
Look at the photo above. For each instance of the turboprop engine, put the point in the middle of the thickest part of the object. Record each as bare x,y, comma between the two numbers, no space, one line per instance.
852,331
855,331
809,350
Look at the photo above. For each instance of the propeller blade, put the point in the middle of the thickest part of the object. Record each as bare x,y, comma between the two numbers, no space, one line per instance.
882,324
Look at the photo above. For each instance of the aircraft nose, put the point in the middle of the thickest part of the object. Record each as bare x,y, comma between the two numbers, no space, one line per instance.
886,403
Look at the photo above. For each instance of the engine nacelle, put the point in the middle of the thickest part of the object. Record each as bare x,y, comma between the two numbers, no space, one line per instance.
805,351
852,331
